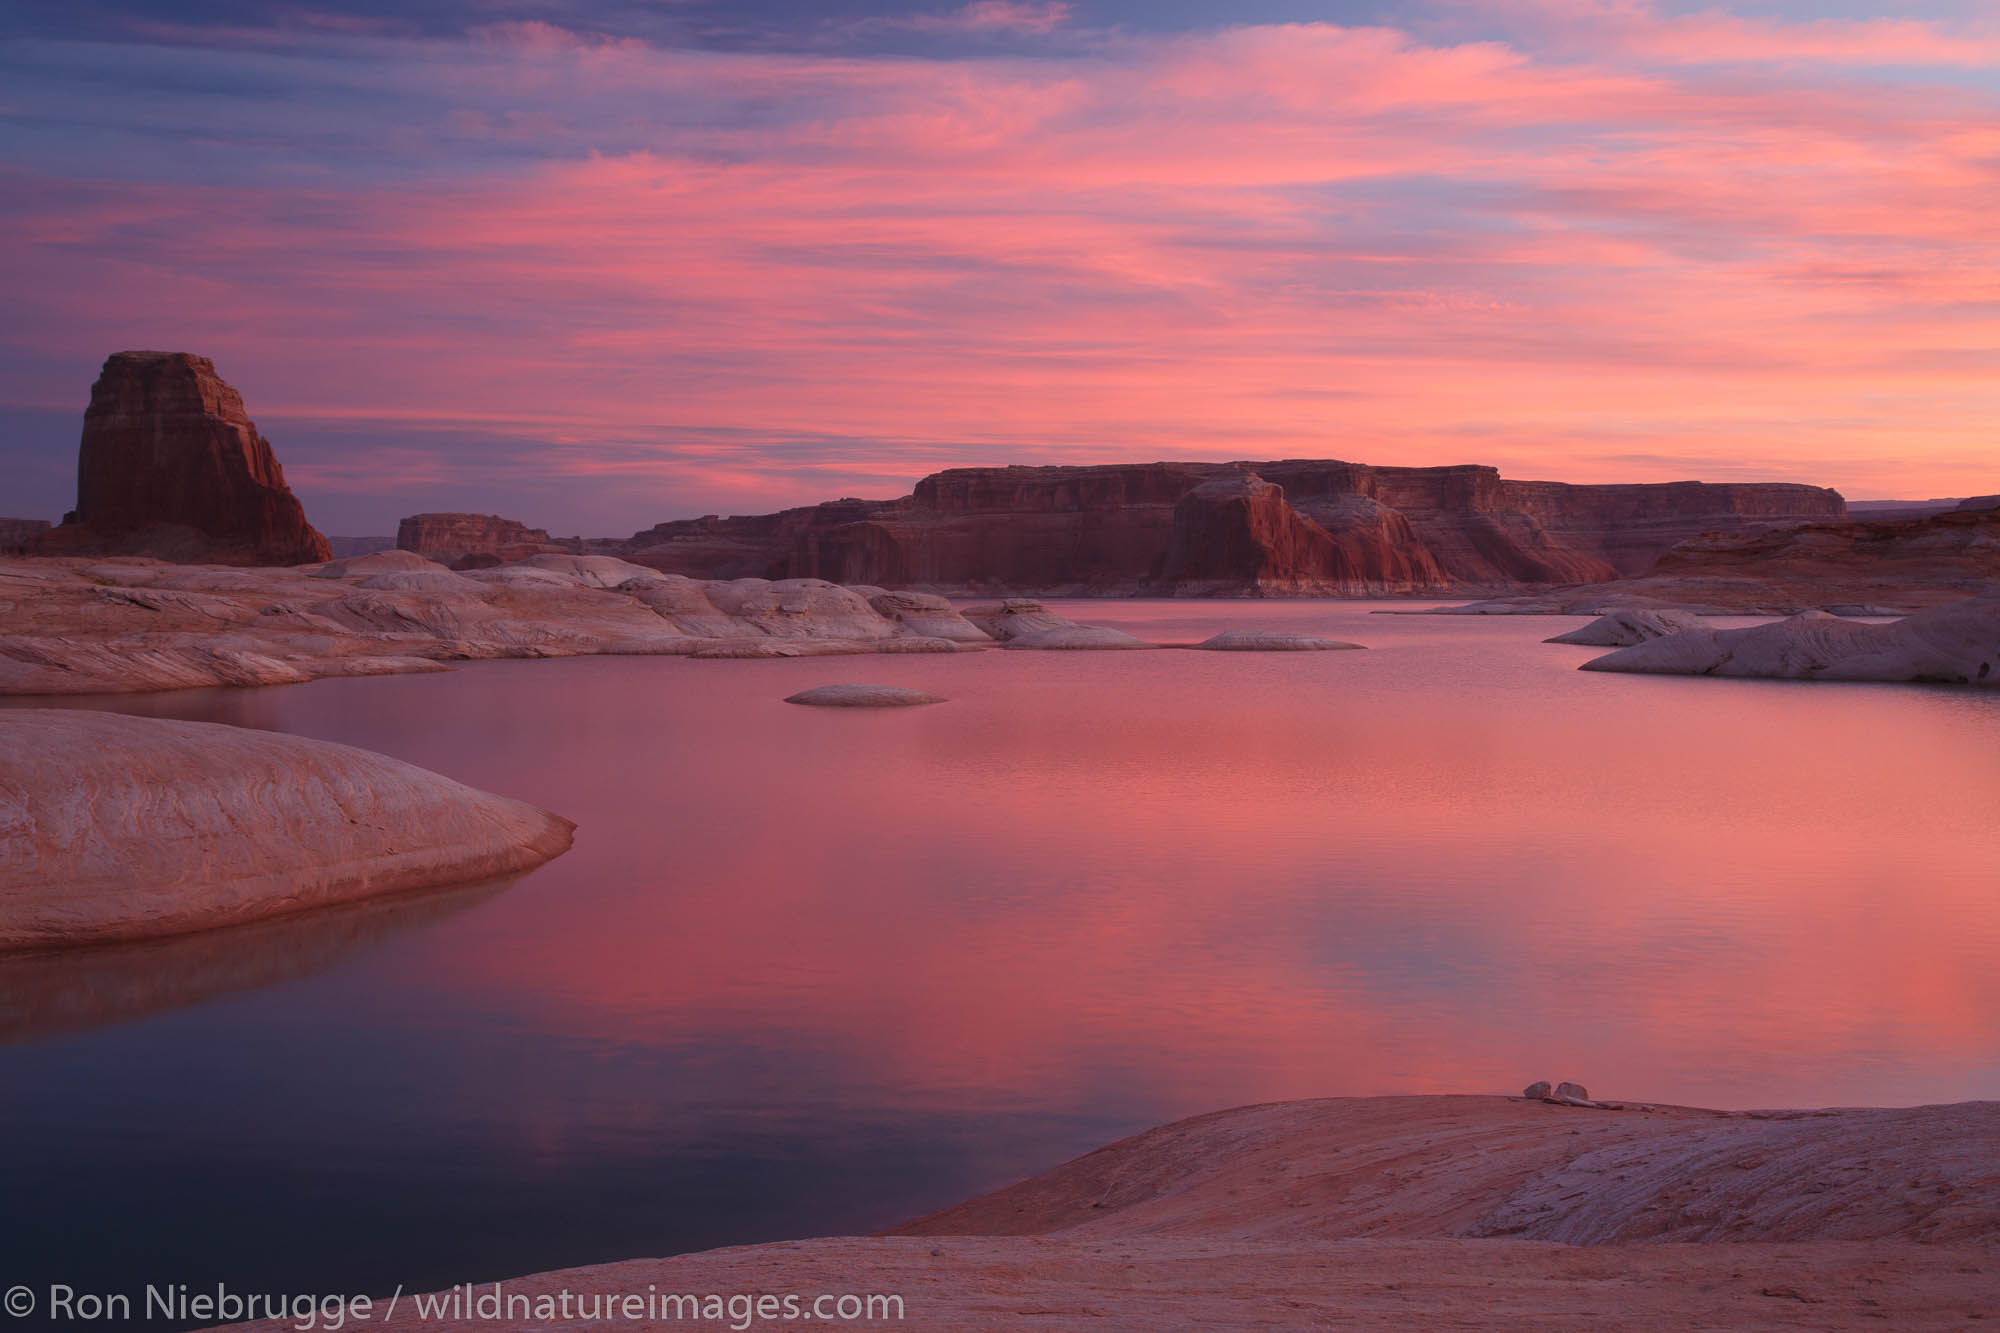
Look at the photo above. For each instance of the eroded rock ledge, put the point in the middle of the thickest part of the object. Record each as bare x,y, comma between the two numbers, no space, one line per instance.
87,627
126,828
1433,1212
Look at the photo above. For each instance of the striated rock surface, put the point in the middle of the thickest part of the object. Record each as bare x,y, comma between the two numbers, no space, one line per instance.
1956,644
1620,629
1025,623
1486,1166
1236,534
1484,1213
862,696
126,828
476,540
1292,527
171,466
83,627
1877,567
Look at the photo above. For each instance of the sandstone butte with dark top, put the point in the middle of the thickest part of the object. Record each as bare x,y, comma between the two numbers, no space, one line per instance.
478,541
1296,527
172,467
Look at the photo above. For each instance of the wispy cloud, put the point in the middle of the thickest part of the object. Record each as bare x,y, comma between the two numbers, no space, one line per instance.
1582,240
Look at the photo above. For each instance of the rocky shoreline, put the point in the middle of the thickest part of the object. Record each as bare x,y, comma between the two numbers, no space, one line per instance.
1458,1212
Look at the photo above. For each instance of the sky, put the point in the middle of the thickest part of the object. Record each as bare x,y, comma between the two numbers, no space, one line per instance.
594,264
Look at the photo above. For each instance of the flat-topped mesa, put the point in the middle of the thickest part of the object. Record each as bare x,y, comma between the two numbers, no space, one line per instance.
1309,527
171,466
477,541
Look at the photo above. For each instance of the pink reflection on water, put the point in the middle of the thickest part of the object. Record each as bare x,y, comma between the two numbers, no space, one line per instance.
1191,880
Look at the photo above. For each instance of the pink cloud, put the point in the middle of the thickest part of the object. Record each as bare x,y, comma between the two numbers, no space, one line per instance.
985,16
1567,258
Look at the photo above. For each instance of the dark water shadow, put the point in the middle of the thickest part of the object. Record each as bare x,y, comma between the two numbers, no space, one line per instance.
71,990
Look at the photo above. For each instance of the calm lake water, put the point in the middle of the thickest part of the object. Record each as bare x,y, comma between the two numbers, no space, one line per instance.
812,971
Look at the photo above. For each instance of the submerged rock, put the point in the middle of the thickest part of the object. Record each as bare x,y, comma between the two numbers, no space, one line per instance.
1080,638
125,828
1271,641
1621,629
1957,644
862,696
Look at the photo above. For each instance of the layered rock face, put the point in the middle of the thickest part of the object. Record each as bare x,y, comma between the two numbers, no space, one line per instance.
1884,567
171,466
124,828
1297,527
474,541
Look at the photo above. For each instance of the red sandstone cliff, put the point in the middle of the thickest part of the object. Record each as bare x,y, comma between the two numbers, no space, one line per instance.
171,466
466,541
1291,527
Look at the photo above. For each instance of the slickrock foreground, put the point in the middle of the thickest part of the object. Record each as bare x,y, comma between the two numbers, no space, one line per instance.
1429,1213
1957,644
101,626
127,828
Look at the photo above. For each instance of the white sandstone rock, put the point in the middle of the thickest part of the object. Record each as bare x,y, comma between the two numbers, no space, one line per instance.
1621,629
121,828
1958,644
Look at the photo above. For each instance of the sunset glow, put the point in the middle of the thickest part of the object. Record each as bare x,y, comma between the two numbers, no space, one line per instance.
595,279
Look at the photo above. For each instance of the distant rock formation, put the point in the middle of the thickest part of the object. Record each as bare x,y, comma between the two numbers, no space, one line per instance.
172,467
477,541
1958,644
1979,504
343,547
1236,533
125,828
1882,567
18,534
1294,527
